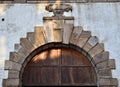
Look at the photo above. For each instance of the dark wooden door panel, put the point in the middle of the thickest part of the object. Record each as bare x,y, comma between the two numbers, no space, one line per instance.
72,57
76,76
41,76
59,67
47,58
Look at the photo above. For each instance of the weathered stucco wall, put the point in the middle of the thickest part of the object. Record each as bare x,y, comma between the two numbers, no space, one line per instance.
102,19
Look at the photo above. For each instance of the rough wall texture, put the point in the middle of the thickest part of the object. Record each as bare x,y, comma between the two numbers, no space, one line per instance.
52,1
102,19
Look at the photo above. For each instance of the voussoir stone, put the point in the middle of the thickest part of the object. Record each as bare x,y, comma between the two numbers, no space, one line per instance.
24,52
40,35
83,38
67,33
105,72
10,82
31,38
17,47
96,49
75,34
48,27
27,44
10,65
16,57
12,74
102,65
111,82
93,40
107,64
101,57
111,63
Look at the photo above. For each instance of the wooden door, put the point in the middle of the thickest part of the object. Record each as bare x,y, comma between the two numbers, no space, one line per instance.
59,67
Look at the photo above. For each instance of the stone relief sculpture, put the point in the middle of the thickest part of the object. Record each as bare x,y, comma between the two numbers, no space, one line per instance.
58,9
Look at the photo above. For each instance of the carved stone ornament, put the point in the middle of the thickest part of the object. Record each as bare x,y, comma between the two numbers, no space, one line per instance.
58,9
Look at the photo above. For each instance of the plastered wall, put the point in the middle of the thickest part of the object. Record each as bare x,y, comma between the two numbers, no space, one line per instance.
102,19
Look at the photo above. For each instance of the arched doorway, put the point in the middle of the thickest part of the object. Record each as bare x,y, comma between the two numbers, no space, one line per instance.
59,36
59,66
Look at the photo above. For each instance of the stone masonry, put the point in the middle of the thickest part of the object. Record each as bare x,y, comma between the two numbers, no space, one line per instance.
60,29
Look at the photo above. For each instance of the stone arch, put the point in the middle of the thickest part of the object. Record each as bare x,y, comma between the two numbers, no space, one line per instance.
74,37
55,31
